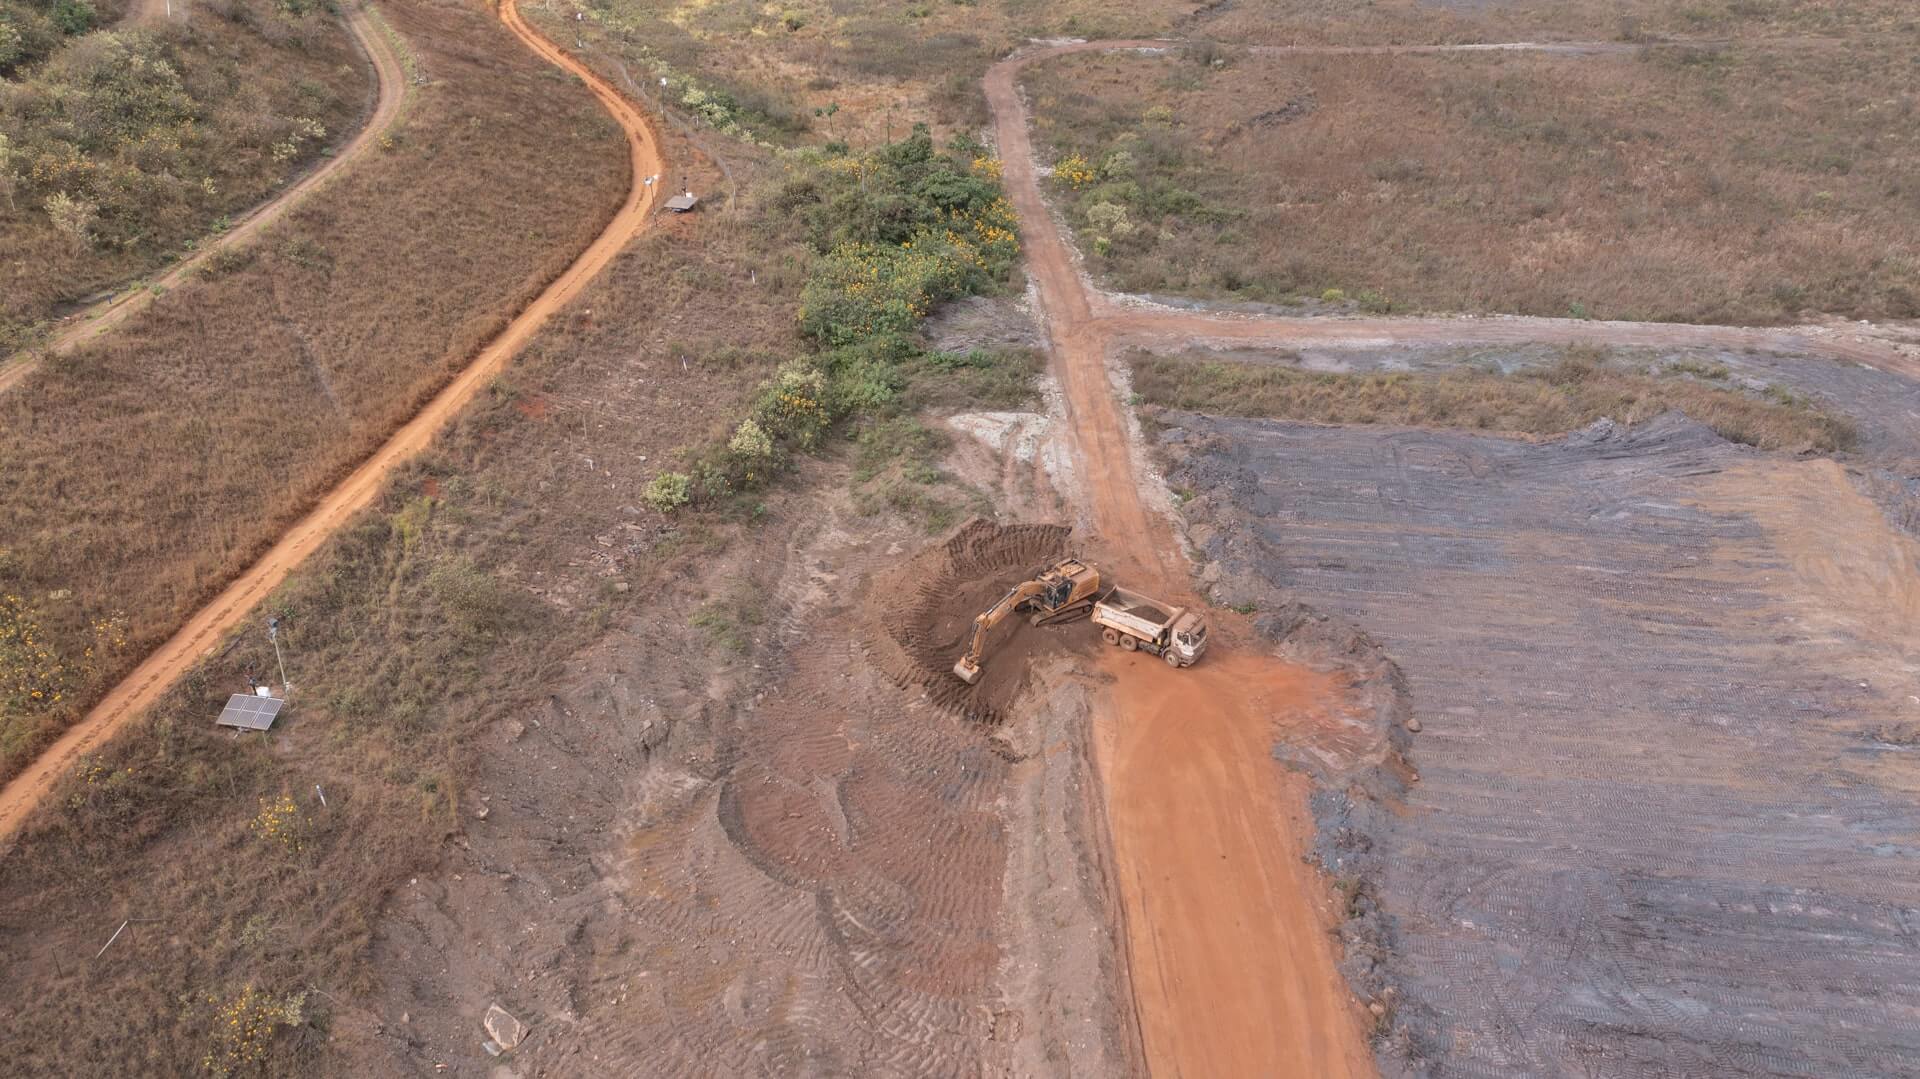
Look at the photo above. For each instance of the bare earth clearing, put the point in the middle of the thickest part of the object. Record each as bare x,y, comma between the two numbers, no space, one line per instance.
1665,761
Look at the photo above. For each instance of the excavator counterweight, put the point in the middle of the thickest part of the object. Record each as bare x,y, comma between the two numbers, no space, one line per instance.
1056,593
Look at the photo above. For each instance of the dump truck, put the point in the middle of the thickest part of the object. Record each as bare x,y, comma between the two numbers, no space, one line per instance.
1056,593
1136,622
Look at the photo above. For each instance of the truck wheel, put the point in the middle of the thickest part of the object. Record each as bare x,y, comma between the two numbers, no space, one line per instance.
1129,643
1110,636
1172,660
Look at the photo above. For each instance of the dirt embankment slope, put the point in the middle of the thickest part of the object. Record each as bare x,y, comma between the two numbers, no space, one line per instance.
206,628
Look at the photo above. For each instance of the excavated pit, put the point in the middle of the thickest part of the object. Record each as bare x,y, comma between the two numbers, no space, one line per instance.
919,615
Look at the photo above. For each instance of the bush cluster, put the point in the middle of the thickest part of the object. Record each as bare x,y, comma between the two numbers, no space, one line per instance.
894,233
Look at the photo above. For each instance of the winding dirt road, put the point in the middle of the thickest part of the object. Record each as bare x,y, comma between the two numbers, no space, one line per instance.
139,690
1233,967
90,323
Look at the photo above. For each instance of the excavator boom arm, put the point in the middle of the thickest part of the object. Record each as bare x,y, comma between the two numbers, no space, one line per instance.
969,666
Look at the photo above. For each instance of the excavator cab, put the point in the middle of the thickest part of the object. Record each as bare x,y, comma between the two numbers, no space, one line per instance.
1056,593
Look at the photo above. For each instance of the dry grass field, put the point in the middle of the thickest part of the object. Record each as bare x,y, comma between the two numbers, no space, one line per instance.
1740,185
120,147
138,474
453,609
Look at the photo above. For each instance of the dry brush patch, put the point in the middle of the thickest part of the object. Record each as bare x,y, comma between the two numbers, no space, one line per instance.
1581,388
1746,185
453,604
120,148
139,474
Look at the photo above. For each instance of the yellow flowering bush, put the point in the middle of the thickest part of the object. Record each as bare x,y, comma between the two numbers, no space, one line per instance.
281,824
1074,171
34,676
244,1027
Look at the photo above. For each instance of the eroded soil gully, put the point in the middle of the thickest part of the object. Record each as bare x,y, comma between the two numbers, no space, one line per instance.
139,690
88,324
1233,971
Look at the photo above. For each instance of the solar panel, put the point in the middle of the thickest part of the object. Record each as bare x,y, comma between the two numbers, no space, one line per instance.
249,712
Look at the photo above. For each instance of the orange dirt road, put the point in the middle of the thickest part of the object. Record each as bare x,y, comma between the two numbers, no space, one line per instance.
90,323
1231,960
139,690
1228,929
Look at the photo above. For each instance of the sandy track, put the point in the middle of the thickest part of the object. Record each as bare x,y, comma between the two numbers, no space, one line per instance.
89,324
1232,968
139,690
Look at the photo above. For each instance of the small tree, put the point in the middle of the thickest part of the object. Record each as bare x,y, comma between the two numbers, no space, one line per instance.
73,17
73,218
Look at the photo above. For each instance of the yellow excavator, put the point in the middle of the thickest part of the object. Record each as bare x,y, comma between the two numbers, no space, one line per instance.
1058,593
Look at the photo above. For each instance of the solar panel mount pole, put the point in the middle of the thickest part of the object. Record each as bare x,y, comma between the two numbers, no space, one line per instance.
273,634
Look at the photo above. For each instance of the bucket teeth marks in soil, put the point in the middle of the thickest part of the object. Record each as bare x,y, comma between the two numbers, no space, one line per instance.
922,611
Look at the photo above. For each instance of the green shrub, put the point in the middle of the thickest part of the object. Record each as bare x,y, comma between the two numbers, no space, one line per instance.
669,491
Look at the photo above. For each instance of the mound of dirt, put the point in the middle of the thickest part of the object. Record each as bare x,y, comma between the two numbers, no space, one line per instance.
919,614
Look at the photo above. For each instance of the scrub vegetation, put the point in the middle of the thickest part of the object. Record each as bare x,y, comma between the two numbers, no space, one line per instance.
122,145
887,236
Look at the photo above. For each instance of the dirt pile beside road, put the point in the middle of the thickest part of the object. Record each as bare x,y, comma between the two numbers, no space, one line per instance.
919,615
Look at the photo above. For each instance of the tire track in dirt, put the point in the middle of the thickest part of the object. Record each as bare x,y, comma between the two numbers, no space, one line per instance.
86,325
139,690
1233,970
835,902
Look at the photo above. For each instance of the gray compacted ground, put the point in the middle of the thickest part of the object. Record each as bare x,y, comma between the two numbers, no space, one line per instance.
1665,823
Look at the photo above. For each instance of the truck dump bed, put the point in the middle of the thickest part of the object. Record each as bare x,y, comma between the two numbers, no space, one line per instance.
1133,613
1135,605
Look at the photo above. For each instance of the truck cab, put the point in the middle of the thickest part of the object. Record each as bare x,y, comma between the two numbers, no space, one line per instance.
1188,639
1136,622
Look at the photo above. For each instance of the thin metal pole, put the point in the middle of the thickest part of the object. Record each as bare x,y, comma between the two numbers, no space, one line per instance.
111,939
273,634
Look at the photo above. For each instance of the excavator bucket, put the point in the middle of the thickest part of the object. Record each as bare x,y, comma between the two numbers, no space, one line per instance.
966,671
